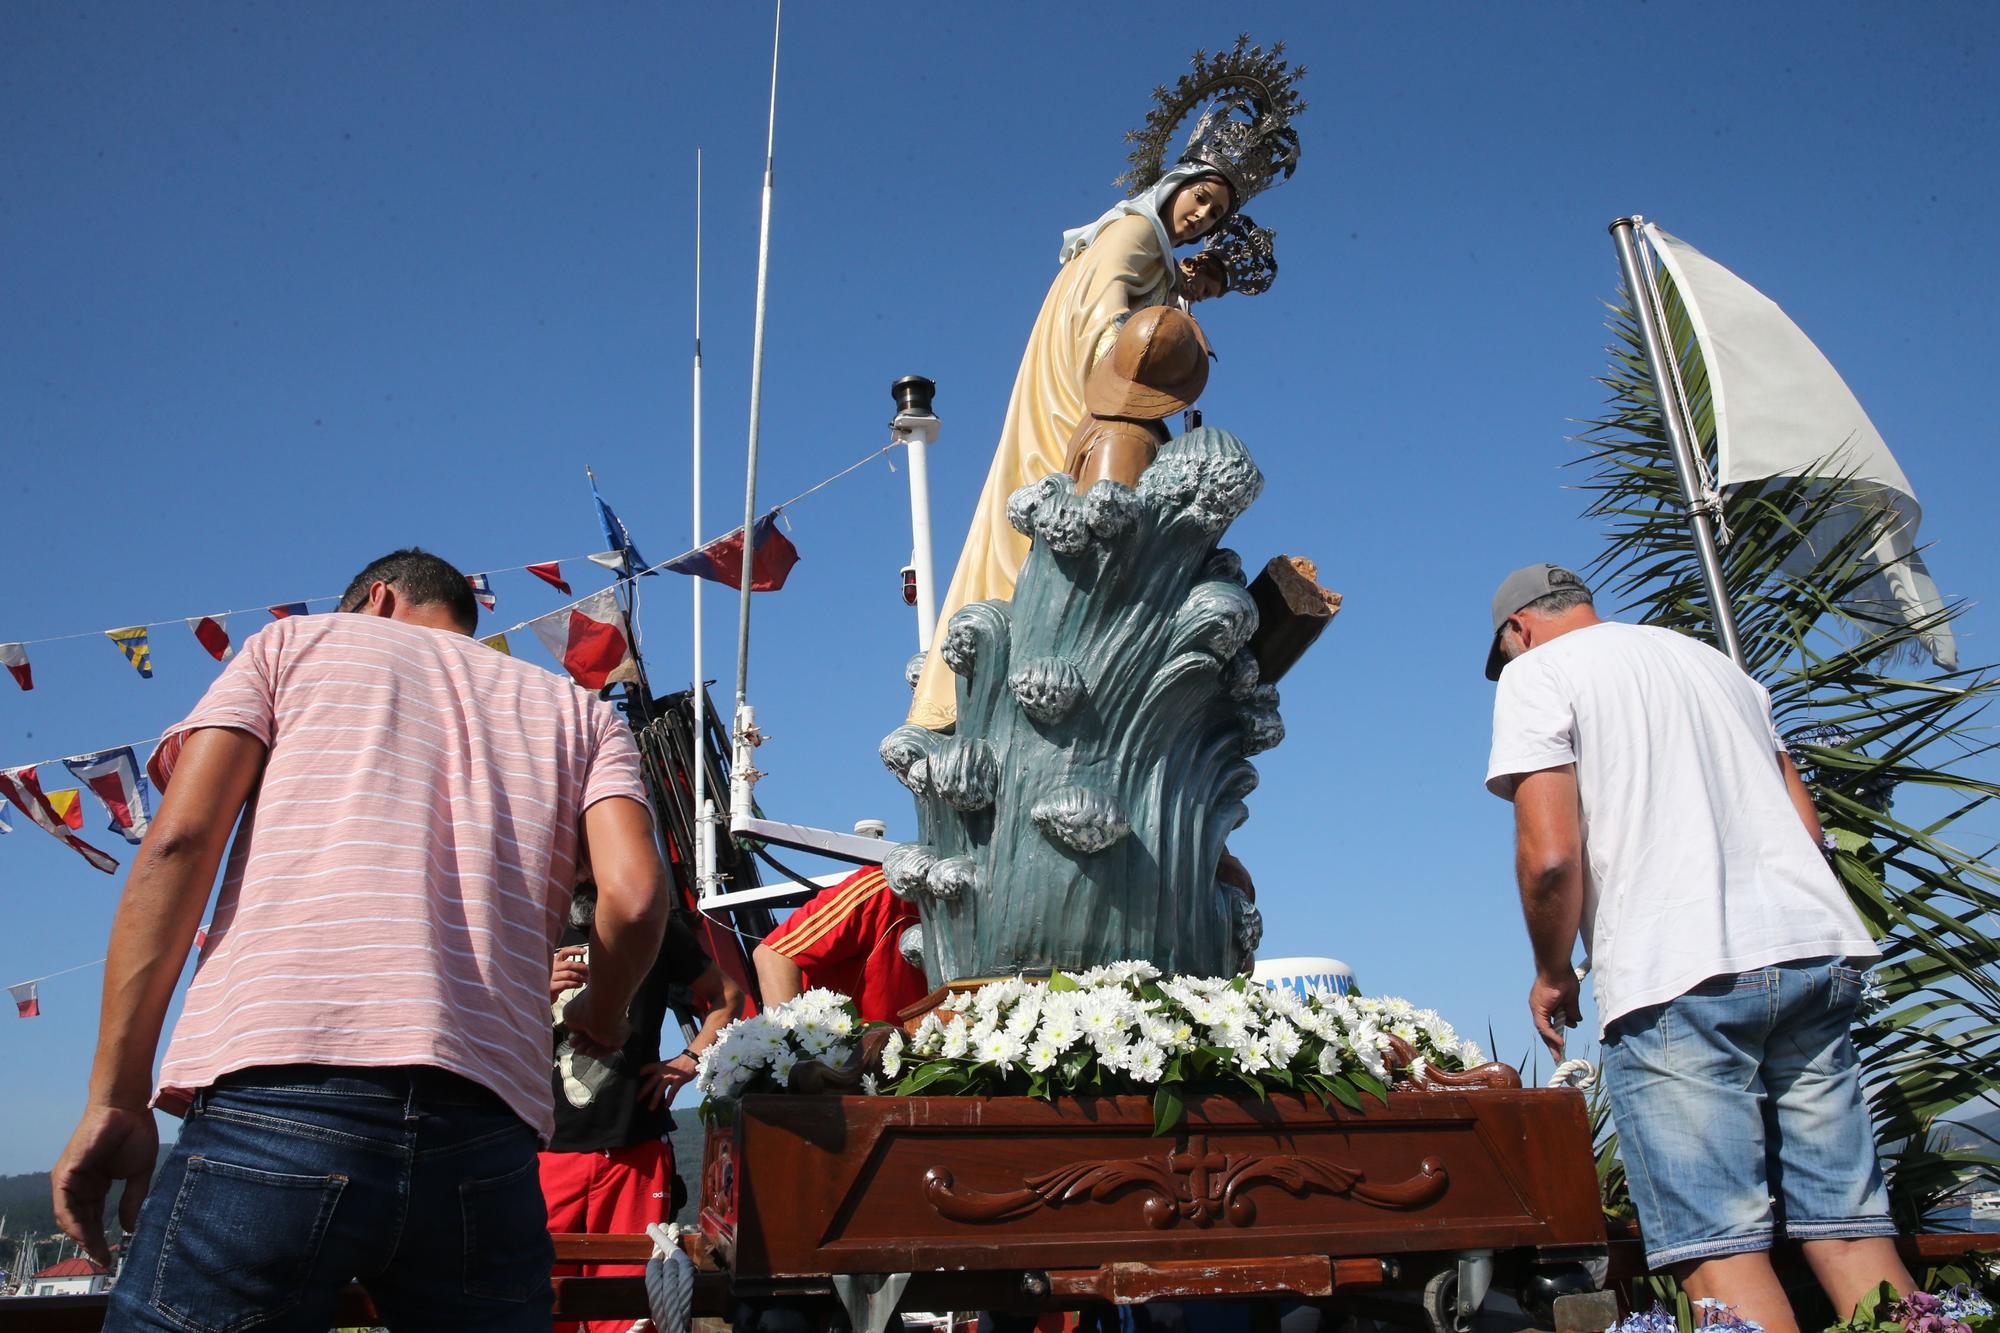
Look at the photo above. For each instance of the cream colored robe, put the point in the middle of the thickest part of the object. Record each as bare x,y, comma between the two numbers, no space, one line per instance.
1123,270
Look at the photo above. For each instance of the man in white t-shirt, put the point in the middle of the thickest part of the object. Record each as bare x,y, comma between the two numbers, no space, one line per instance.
1657,814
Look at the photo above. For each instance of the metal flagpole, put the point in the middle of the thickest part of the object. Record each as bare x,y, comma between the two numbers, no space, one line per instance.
704,848
1680,431
745,736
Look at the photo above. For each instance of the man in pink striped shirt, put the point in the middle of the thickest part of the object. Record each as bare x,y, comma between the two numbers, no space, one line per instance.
362,1057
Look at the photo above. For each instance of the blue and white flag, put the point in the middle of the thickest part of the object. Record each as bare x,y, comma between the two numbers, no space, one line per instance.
482,590
616,533
114,778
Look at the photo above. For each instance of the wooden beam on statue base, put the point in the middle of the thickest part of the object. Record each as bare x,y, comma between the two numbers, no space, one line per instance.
1292,611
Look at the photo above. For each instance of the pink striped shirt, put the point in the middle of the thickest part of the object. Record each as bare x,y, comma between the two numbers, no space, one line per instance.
397,885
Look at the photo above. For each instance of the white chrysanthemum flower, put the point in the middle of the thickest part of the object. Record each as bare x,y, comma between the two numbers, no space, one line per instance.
1147,1062
957,1040
1371,1060
1330,1060
1405,1029
1231,1035
1251,1059
1281,1042
1000,1050
1469,1054
1041,1055
1060,1028
1282,1000
869,1087
892,1056
782,1064
928,1039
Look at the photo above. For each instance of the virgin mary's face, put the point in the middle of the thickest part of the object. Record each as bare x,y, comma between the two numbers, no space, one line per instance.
1195,209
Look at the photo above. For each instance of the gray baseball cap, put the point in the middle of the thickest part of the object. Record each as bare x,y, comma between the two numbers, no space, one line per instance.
1526,584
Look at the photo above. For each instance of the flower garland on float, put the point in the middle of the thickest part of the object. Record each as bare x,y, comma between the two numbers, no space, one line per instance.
1122,1028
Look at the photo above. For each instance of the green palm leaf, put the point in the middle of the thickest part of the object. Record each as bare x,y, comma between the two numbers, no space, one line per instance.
1886,749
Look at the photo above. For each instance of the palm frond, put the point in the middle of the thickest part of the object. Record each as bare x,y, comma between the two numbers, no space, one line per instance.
1868,731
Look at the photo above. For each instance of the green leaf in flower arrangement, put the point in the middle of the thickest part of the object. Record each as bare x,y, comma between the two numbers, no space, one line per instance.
1062,981
1342,1087
926,1075
1371,1085
1871,1310
1168,1110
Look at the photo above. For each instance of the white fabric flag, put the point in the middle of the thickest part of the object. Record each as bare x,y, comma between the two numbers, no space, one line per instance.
590,640
1782,410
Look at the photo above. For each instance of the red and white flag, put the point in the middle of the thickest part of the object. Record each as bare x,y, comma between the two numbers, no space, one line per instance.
113,778
482,590
591,641
24,789
551,574
15,658
26,1002
213,634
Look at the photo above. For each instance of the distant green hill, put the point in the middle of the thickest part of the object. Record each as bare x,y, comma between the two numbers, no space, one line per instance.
24,1202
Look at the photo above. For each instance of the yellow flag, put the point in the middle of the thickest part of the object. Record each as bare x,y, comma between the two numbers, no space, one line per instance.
132,643
68,805
498,643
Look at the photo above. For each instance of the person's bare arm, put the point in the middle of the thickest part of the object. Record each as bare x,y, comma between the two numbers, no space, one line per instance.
659,1082
631,917
1548,864
778,978
156,919
1802,801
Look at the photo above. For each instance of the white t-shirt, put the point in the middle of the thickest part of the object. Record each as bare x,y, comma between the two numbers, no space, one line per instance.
1696,862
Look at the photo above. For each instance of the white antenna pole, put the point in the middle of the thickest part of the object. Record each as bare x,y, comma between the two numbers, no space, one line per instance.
746,737
704,816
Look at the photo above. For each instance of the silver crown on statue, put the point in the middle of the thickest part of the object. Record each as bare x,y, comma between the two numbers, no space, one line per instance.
1246,253
1246,99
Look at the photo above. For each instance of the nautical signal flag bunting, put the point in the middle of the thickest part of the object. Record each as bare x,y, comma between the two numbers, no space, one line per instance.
133,643
15,658
24,789
212,633
591,640
113,778
551,574
722,559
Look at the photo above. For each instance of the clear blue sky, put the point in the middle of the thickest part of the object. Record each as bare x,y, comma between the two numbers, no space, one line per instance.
286,286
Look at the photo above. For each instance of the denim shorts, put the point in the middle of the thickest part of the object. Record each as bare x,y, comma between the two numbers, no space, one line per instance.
289,1182
1739,1112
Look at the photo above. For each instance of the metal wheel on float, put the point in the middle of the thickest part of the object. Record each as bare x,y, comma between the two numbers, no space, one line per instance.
1441,1304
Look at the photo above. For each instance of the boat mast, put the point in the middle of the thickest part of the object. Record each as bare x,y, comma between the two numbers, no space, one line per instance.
704,809
746,736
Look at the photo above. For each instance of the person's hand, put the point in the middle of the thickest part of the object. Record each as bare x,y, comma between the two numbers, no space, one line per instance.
110,1143
658,1083
570,971
1553,1000
595,1033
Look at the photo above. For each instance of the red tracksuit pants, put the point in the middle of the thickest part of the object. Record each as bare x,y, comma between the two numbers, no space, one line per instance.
607,1193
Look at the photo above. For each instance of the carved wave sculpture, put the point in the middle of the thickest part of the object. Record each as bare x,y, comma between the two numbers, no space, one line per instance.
1106,719
1192,1184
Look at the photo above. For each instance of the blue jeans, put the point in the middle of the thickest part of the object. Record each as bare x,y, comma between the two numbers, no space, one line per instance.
1743,1089
290,1181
